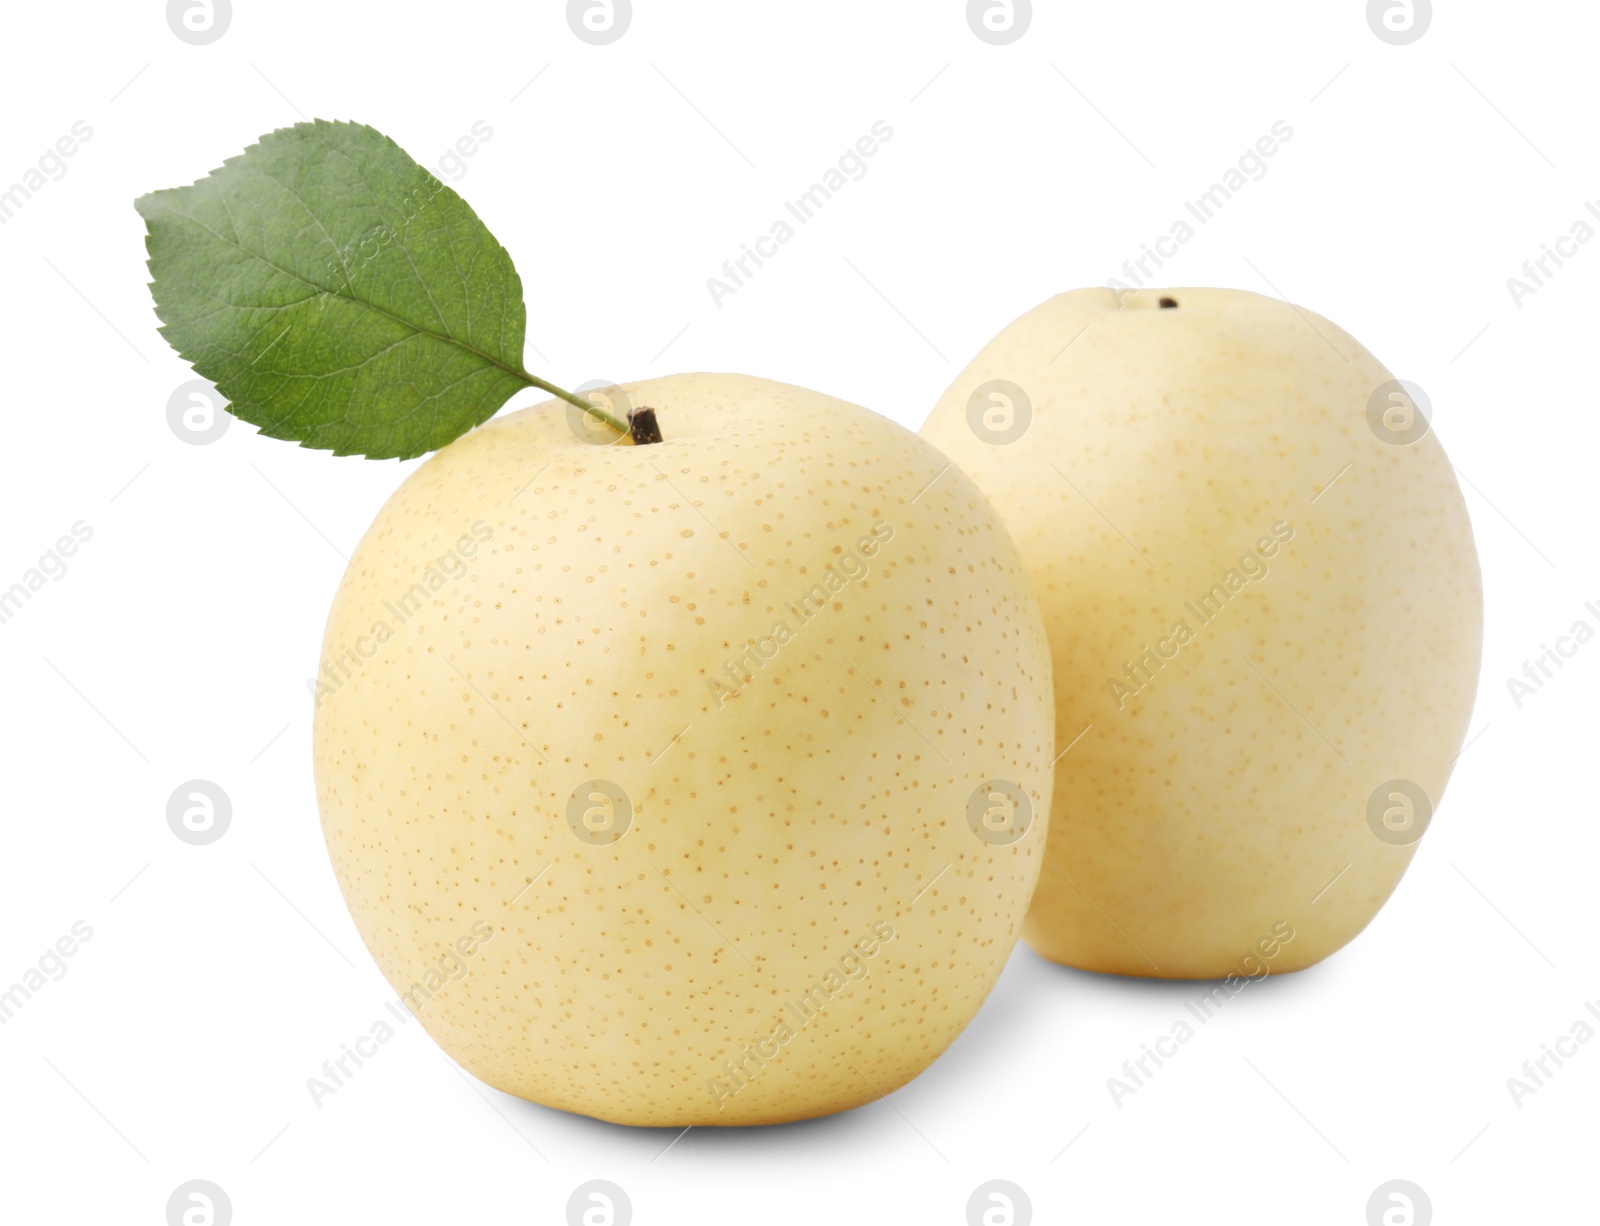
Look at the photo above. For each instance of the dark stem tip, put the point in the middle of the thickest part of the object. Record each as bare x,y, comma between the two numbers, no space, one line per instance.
643,427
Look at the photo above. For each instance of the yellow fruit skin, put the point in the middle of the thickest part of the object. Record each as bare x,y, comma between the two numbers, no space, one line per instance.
776,833
1209,808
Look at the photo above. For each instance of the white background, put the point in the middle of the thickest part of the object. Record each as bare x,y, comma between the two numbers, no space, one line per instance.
1418,179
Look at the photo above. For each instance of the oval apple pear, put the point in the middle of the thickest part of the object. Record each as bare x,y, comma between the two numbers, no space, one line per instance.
1263,601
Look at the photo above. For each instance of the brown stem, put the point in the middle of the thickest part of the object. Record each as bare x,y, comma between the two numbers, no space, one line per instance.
643,426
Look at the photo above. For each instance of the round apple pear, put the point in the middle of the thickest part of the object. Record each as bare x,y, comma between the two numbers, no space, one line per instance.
1265,612
693,781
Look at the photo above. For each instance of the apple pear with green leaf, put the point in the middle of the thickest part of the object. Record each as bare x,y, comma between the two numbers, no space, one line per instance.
686,763
1263,600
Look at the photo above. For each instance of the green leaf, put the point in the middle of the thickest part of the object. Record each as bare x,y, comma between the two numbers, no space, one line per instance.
338,294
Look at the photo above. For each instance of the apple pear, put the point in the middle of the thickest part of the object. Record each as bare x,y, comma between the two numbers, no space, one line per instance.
693,781
1264,607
